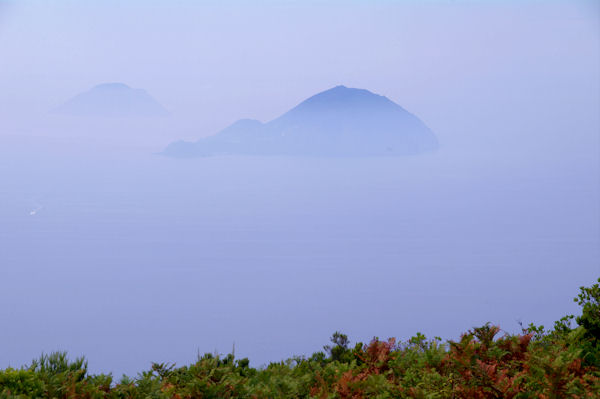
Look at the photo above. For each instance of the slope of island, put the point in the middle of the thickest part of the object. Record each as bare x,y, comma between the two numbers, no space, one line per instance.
112,100
341,121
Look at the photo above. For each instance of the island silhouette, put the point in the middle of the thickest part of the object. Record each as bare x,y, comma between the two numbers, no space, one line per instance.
341,121
112,100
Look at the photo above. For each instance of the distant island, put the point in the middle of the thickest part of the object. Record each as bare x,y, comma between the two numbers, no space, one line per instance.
341,121
112,100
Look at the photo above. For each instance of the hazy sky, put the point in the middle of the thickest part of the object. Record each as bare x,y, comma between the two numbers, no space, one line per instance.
211,63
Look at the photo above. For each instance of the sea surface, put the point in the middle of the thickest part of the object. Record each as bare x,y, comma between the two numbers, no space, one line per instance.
129,257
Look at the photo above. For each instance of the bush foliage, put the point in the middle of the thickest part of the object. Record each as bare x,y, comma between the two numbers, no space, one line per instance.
562,362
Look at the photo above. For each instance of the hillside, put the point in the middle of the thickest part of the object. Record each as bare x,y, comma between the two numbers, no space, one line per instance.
112,100
340,121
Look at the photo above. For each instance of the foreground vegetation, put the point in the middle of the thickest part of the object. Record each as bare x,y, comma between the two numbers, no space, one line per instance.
562,362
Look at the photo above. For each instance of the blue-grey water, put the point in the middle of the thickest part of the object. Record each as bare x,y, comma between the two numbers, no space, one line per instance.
129,257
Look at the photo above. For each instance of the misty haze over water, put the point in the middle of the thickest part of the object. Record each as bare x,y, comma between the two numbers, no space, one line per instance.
110,250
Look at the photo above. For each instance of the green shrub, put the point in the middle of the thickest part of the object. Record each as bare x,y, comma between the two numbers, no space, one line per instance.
558,363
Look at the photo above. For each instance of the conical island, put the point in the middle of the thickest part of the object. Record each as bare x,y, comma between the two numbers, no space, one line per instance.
341,121
112,100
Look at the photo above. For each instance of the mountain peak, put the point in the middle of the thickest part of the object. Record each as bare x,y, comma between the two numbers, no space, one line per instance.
111,86
338,122
343,99
113,100
342,90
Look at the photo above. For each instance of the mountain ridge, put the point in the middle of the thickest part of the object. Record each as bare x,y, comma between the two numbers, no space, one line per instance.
112,99
340,121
